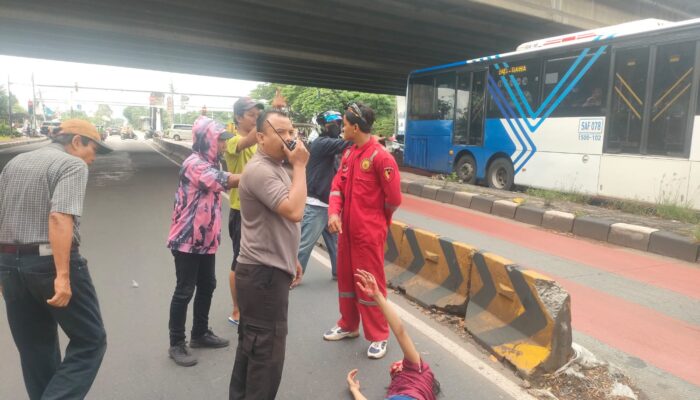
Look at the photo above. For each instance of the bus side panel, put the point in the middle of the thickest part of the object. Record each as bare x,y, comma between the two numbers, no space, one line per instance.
694,185
645,178
428,144
695,143
497,138
560,171
580,135
416,152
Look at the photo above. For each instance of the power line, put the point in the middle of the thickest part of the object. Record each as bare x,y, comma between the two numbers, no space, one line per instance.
139,91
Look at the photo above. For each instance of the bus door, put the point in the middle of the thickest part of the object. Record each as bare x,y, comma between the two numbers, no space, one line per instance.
430,122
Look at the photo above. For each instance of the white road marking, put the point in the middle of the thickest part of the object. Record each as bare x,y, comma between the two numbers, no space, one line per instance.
471,361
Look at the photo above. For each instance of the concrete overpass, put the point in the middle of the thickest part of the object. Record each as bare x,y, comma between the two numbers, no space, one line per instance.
367,45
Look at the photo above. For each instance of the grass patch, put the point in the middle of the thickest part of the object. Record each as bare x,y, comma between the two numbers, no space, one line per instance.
677,212
549,196
696,233
6,138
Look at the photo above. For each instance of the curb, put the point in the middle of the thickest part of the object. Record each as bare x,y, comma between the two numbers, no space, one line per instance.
637,237
22,142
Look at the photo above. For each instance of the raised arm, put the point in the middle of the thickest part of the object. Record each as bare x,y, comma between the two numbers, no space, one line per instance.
367,283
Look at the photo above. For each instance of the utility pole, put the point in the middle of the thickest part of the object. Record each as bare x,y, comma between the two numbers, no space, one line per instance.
9,104
33,116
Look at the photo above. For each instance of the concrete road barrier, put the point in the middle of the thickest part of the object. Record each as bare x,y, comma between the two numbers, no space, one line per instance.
179,153
432,270
520,315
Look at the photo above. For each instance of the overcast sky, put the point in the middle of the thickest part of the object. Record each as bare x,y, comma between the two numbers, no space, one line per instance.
47,72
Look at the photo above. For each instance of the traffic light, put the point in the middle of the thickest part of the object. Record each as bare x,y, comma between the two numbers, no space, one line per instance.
30,107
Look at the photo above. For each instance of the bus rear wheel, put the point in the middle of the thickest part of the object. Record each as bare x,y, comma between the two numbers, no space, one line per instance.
466,169
500,174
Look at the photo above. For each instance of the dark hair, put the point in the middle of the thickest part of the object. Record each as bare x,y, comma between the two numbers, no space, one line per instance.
67,138
436,387
260,123
367,115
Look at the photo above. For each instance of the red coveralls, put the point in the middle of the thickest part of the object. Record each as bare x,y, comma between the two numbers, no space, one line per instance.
365,193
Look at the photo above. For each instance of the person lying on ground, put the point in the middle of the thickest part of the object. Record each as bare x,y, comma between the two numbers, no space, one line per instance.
411,378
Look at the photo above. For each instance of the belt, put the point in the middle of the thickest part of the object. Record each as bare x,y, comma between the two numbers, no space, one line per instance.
25,249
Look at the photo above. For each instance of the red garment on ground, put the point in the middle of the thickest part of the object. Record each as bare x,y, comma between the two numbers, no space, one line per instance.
414,380
365,193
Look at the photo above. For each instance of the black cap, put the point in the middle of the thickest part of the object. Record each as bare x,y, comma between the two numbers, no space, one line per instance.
244,104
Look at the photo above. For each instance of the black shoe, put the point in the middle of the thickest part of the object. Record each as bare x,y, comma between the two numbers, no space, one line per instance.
210,340
181,355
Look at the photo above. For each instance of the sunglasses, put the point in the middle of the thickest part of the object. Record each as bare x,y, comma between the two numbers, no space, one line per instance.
290,144
355,110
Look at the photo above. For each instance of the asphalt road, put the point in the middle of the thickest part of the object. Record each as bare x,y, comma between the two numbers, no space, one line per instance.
124,228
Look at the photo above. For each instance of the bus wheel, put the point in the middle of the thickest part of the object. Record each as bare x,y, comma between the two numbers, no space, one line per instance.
500,174
466,169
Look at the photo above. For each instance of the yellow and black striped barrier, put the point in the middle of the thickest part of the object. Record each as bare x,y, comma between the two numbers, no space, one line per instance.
520,315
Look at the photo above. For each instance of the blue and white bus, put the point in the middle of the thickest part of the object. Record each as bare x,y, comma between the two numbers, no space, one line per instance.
608,112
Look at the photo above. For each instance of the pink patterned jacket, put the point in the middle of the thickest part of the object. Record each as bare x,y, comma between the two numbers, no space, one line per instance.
196,220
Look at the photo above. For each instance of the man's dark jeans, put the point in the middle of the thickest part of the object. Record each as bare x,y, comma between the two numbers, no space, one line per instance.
192,271
27,282
263,296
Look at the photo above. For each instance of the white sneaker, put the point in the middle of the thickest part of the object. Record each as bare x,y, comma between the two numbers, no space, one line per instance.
337,333
377,350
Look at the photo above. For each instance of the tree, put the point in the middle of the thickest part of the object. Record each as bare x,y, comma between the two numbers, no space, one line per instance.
103,113
133,114
75,114
306,102
16,108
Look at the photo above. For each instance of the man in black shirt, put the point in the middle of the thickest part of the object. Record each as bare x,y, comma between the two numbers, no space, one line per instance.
319,175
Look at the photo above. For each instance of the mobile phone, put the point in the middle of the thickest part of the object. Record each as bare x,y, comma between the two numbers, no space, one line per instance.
290,144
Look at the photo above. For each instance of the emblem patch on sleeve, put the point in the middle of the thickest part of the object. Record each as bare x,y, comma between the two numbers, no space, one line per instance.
389,174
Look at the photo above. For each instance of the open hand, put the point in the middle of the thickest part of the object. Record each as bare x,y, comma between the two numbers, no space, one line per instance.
367,283
353,383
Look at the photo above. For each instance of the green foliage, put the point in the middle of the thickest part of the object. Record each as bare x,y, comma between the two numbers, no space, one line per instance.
18,112
75,114
133,115
306,102
679,212
103,114
549,196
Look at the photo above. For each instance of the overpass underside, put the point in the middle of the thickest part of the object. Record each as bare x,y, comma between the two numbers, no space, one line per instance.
366,45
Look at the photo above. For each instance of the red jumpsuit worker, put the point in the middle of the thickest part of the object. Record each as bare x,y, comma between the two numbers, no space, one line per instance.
364,195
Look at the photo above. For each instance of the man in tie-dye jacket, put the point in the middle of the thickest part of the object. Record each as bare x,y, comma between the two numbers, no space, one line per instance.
195,233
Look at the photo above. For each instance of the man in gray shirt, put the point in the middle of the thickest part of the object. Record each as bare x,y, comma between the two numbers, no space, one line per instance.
272,205
44,280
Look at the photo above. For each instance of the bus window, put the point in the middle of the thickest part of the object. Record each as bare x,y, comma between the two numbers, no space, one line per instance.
461,129
476,118
518,83
589,96
422,91
445,85
673,79
629,90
